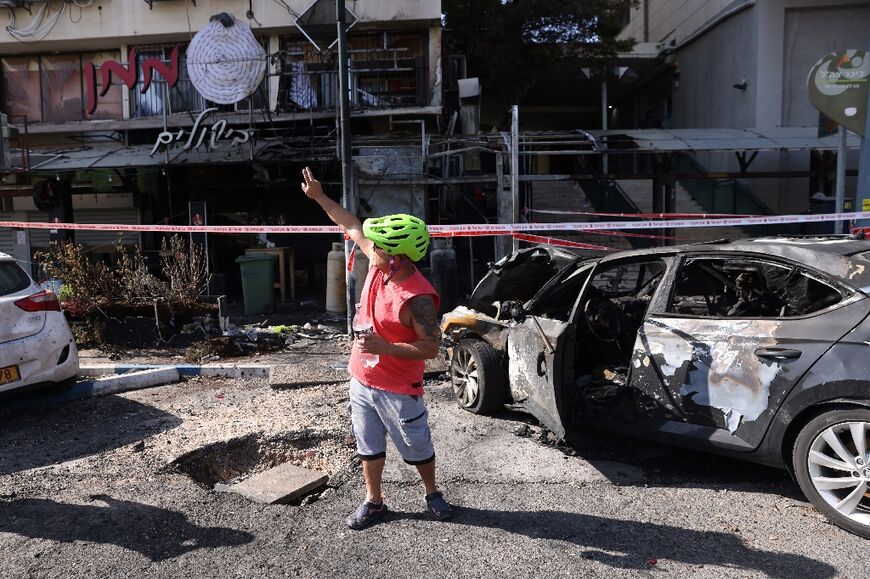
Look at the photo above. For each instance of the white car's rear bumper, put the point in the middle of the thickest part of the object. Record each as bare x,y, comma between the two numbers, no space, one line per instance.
37,356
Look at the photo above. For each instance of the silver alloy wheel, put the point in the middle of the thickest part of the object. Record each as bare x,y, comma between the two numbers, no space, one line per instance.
464,375
837,462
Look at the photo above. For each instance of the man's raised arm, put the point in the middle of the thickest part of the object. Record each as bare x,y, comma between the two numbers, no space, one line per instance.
349,222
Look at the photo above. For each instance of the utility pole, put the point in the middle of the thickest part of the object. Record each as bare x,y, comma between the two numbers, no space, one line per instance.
348,193
515,169
863,195
605,169
840,188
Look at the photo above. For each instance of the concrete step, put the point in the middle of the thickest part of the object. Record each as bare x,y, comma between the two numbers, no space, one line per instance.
569,196
640,191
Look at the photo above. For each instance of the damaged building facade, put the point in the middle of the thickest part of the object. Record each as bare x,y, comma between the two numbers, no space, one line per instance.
102,122
728,64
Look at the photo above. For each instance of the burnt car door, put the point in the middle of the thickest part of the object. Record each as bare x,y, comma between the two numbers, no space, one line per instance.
611,379
737,333
541,349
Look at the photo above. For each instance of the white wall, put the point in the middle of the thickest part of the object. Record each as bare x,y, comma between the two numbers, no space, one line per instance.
672,19
710,67
106,23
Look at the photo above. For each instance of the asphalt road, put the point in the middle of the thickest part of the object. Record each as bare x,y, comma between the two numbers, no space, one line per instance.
80,497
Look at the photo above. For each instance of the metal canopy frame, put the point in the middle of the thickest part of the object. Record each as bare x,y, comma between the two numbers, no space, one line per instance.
151,3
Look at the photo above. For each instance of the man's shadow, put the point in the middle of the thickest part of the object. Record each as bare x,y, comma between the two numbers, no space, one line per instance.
630,544
156,533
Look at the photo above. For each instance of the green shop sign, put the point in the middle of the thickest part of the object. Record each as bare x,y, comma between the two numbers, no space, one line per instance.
838,88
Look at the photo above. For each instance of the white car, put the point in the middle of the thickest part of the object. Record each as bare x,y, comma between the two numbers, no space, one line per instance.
36,344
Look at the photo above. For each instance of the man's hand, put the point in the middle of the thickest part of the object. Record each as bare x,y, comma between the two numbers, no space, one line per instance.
337,214
374,344
311,187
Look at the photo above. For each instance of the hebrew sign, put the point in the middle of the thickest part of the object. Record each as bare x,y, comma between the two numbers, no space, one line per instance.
838,88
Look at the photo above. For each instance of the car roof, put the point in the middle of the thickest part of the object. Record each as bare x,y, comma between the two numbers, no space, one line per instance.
845,258
6,257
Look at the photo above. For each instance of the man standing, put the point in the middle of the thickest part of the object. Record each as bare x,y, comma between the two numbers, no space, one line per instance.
396,330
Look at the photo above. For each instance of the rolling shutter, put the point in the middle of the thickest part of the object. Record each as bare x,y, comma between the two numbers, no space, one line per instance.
101,241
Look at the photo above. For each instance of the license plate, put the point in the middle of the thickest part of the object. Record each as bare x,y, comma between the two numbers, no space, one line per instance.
9,374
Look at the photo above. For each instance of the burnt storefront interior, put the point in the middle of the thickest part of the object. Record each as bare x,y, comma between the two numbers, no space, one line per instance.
131,139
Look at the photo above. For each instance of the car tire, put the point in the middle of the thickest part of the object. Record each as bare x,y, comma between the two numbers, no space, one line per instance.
826,459
478,379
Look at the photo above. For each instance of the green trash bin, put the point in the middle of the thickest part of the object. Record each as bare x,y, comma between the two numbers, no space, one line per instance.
258,280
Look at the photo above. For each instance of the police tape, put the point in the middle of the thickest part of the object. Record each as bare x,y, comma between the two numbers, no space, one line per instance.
560,242
456,230
528,210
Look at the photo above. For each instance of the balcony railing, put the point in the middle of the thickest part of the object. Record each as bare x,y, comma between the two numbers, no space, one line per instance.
373,85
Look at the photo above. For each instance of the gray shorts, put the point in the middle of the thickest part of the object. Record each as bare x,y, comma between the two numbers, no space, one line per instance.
374,413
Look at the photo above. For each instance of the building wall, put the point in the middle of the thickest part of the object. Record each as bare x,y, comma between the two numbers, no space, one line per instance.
672,19
797,33
107,23
705,95
772,44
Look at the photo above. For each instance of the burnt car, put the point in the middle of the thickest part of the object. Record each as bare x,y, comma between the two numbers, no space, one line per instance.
758,349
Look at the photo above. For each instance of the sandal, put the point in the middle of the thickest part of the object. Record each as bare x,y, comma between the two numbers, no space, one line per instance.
438,507
366,514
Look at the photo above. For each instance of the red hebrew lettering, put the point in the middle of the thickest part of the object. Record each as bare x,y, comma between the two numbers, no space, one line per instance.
127,74
170,72
91,87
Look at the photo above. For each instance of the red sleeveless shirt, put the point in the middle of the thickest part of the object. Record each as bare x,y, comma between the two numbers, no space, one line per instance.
381,303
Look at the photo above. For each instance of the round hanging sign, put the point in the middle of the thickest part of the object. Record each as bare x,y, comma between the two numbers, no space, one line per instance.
224,60
838,87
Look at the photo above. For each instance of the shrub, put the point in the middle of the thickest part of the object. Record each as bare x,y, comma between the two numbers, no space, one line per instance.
185,267
134,282
83,278
88,284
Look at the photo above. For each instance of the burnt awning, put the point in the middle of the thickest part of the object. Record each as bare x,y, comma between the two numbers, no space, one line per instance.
698,140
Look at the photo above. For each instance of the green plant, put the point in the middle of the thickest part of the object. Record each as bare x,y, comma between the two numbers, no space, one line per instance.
83,278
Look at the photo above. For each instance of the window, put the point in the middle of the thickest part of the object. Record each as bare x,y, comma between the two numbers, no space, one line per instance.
627,278
51,88
12,278
387,70
183,97
179,99
740,287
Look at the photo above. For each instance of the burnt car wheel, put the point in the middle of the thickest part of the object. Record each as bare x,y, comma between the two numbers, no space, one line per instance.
831,465
477,376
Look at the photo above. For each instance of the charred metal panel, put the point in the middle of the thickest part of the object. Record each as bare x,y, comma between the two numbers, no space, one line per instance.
518,276
462,321
735,373
711,365
842,374
535,368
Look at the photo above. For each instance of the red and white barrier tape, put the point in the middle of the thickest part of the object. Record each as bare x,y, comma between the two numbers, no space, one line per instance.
637,215
560,242
461,230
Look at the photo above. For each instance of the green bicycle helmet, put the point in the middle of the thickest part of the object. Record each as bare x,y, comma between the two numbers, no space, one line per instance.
398,234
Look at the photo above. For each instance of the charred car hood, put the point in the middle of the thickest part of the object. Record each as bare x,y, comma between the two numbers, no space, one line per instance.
519,276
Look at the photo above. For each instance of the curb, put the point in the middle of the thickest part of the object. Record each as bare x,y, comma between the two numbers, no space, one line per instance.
185,370
145,378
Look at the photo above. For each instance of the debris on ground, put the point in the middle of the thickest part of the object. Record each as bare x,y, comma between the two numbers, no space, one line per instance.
281,484
212,349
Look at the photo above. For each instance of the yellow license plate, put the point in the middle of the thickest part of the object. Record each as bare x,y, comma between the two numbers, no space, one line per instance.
9,374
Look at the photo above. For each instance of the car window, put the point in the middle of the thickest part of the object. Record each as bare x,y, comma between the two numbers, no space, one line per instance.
556,299
12,278
739,287
627,278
